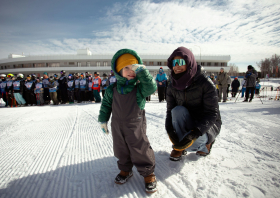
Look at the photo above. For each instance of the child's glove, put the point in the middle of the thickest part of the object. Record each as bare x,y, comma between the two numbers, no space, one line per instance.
104,127
138,68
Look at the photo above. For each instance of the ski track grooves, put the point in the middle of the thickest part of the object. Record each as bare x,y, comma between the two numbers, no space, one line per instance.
61,152
65,144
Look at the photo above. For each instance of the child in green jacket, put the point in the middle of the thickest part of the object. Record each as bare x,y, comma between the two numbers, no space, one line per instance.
126,101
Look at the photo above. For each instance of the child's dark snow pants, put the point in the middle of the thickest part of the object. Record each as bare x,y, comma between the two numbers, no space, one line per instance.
131,145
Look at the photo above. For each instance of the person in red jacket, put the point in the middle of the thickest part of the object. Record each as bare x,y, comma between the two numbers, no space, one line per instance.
96,83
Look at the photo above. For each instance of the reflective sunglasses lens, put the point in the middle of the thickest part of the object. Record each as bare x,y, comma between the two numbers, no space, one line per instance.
174,62
180,62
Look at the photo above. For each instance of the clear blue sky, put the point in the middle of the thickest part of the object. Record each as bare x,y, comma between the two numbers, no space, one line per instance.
247,30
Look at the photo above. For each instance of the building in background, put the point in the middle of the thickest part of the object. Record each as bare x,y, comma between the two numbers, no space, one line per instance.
85,61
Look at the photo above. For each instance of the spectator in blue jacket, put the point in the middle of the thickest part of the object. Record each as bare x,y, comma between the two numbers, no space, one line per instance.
161,84
104,84
83,87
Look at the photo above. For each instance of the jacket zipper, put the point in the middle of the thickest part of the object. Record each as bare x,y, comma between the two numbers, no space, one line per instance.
126,83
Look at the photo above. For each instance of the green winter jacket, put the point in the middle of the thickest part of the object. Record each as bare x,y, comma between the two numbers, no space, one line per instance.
145,87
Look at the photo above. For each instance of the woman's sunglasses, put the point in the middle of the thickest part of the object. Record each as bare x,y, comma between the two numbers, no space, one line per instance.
180,62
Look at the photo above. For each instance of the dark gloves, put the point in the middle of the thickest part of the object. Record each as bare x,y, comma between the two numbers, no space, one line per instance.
187,140
194,134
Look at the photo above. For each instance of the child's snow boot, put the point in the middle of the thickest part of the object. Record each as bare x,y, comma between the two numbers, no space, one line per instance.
150,183
122,177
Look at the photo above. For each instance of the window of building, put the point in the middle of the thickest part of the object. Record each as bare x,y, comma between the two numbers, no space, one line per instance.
79,64
1,67
88,64
14,66
208,63
5,67
65,63
39,64
165,63
151,63
98,64
223,64
105,64
202,63
53,64
26,65
145,63
216,64
159,63
71,63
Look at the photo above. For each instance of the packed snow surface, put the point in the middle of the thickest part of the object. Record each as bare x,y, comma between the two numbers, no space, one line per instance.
60,151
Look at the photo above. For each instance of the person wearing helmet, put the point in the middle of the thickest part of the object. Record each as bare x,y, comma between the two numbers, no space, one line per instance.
39,91
9,91
46,82
77,88
83,87
70,88
33,78
87,75
63,87
3,88
58,91
52,89
18,86
96,87
89,92
29,91
104,84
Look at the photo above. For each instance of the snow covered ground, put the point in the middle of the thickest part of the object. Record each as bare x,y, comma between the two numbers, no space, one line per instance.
60,151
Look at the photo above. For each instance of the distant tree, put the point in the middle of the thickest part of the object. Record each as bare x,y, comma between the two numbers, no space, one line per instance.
269,65
233,70
274,61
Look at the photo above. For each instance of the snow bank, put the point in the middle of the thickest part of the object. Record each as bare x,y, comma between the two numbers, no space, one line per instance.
60,151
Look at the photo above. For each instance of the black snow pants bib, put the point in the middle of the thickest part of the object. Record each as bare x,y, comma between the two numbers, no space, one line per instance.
131,145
